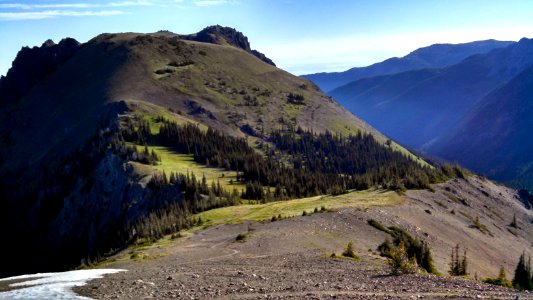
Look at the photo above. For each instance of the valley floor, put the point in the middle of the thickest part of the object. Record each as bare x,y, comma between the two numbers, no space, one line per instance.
290,259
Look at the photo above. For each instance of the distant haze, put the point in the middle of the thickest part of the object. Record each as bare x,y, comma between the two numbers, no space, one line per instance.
341,54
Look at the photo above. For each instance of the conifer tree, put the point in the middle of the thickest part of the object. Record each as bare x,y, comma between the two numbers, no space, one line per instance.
522,274
426,261
458,266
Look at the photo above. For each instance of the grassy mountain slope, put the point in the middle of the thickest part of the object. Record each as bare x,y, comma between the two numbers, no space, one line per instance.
438,98
434,56
204,81
72,184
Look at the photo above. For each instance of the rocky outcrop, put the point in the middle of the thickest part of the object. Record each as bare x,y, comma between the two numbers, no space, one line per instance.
33,64
226,35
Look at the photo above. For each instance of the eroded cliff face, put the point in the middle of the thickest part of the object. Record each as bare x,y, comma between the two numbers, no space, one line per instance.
104,208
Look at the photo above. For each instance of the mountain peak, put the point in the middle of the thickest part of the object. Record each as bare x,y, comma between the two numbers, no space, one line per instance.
222,35
217,34
48,43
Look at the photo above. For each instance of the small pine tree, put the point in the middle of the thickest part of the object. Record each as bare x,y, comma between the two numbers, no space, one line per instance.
426,261
349,251
464,264
501,274
458,266
399,261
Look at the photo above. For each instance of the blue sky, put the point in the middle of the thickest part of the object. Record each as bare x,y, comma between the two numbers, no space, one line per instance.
300,36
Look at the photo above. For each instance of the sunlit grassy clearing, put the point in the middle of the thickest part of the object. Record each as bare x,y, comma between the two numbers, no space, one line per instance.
172,161
259,212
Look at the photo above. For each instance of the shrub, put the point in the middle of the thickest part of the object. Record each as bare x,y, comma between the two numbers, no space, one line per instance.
296,98
480,226
349,251
377,225
241,237
164,71
415,249
500,280
399,262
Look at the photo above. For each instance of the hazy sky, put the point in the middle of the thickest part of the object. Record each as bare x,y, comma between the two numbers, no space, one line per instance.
300,36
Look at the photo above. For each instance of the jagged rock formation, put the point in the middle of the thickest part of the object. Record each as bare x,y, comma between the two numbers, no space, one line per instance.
32,65
225,35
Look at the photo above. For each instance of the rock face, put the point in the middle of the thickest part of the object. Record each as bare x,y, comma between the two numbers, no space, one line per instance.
32,65
225,35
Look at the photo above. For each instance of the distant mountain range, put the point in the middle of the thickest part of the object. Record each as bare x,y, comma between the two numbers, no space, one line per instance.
434,56
440,110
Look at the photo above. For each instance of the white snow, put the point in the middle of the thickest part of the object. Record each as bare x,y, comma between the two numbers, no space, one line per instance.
46,286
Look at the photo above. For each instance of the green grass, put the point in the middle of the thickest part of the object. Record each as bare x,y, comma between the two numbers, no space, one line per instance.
172,161
261,212
404,151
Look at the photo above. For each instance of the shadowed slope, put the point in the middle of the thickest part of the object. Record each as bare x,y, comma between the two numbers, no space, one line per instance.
495,137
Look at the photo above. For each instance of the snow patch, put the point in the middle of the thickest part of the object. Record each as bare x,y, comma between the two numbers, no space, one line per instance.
52,285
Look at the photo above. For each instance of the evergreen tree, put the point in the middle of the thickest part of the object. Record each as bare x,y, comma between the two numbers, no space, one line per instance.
522,274
426,261
349,251
458,266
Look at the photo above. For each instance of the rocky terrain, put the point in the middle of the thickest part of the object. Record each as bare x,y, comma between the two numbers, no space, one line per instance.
290,258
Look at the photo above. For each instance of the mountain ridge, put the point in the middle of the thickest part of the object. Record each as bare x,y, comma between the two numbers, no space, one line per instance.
438,97
86,140
433,56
